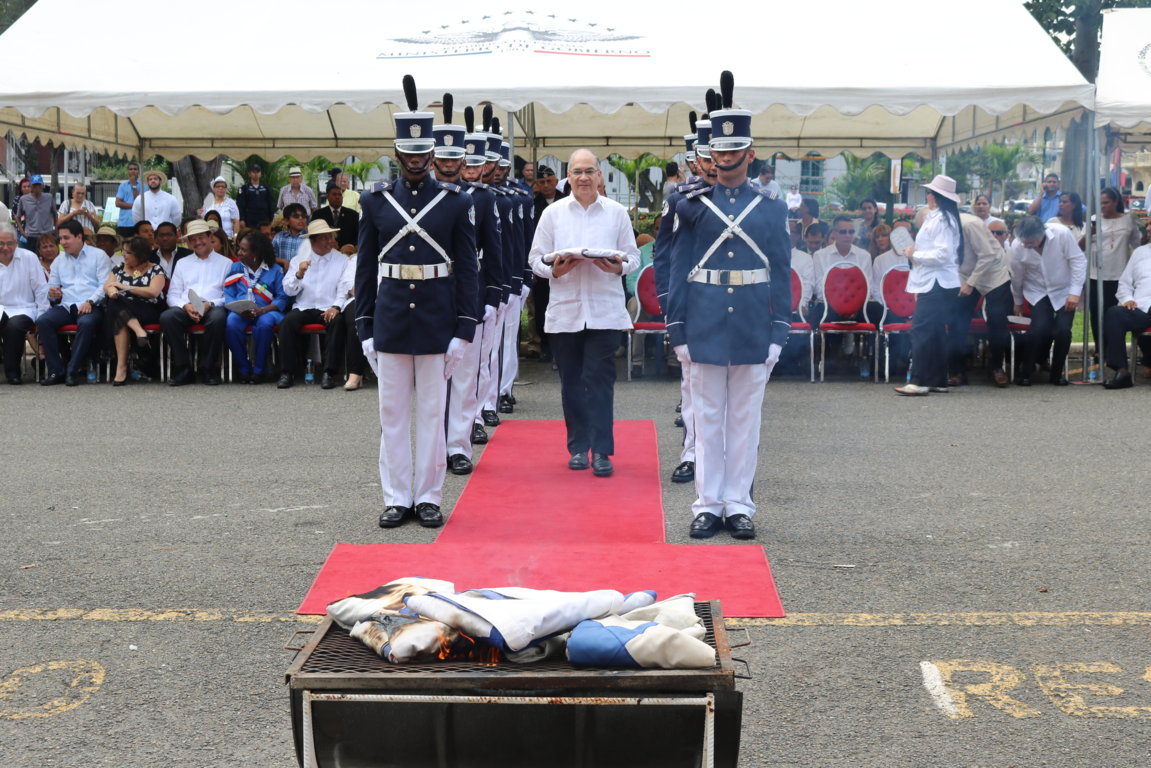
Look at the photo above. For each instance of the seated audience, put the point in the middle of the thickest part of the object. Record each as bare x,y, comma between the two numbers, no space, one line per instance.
843,248
313,280
75,290
341,217
1131,315
23,298
202,273
288,241
168,251
256,277
134,291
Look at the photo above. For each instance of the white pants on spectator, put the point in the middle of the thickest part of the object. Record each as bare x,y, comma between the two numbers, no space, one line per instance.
727,402
511,348
464,398
401,376
490,362
686,412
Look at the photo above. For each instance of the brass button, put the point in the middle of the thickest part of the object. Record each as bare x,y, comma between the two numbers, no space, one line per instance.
413,211
413,306
731,216
415,192
731,255
729,309
730,290
412,286
731,199
411,248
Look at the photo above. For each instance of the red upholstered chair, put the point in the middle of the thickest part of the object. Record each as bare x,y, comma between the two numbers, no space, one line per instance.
896,301
70,330
646,302
845,292
800,326
313,332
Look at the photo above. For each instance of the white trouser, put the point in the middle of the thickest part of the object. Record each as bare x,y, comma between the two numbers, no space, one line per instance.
511,348
687,453
492,331
400,377
464,398
727,403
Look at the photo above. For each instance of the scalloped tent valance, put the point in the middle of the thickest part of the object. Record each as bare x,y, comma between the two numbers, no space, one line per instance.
822,76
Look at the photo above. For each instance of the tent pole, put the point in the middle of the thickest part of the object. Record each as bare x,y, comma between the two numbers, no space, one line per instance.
1094,245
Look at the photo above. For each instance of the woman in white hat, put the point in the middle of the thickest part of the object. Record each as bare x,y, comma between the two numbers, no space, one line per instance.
219,201
935,278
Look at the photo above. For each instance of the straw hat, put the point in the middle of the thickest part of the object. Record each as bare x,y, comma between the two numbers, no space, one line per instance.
196,227
944,186
320,227
156,172
109,232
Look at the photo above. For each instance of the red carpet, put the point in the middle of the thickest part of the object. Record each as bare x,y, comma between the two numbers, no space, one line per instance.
522,491
525,519
737,575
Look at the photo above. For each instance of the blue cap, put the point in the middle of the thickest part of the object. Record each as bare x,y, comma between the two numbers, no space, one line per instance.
493,150
476,148
37,179
449,141
730,129
689,144
702,137
505,154
414,132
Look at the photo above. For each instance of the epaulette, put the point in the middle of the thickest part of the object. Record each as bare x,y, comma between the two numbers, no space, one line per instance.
701,190
449,186
770,194
479,185
691,184
381,186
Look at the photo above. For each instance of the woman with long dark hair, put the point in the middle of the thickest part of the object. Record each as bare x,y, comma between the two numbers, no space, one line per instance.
870,210
1120,237
1070,213
935,278
134,289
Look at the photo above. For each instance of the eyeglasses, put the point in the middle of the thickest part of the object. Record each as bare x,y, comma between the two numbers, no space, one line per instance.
583,171
999,232
298,216
845,231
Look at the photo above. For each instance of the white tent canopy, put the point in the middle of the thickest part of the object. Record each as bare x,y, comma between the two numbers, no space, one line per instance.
308,80
1123,85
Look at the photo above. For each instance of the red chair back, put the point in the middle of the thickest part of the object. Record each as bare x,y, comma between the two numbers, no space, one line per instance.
646,293
796,290
845,289
895,296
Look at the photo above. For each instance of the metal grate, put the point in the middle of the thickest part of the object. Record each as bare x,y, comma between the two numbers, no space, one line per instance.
336,658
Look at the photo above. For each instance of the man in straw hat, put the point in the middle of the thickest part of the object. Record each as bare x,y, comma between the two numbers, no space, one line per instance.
312,279
156,205
416,312
196,297
728,313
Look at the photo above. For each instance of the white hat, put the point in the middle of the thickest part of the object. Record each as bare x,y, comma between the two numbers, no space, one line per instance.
219,180
943,185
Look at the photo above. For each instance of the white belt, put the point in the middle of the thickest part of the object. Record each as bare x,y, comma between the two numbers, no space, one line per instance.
730,276
414,271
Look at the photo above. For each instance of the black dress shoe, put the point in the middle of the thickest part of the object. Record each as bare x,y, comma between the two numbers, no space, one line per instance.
506,405
678,407
479,435
119,383
1060,381
511,399
71,380
578,461
285,381
1121,380
394,516
705,525
490,419
684,473
181,378
327,381
601,465
679,421
15,380
1022,381
255,378
429,515
459,464
211,379
51,380
740,527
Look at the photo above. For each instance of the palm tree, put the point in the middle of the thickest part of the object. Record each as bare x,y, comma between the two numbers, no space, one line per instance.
1000,163
362,169
863,173
631,169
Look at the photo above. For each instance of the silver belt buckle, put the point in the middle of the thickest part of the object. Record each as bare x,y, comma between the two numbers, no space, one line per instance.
730,277
411,271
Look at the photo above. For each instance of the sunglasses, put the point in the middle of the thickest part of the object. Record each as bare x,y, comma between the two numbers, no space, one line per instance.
999,232
298,216
845,231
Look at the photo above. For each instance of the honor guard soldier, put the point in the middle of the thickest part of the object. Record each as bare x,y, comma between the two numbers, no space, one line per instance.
520,273
416,313
729,312
463,395
661,265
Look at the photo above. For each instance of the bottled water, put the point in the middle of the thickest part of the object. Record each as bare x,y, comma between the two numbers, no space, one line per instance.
309,377
92,377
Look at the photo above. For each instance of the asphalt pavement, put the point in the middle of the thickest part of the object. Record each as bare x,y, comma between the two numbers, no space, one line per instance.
966,575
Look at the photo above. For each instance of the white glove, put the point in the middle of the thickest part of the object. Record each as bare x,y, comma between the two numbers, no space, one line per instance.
525,291
369,348
489,312
772,358
682,354
454,355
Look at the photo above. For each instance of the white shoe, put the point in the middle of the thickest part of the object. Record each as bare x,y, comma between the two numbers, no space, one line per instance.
913,389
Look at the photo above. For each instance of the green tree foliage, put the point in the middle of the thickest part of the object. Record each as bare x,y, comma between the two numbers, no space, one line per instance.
998,165
10,10
631,169
1076,26
863,176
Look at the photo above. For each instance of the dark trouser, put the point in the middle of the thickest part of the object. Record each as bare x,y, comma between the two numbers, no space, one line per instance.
586,362
87,327
289,336
1110,288
541,294
1048,325
14,331
998,304
1117,323
117,314
175,322
929,336
354,355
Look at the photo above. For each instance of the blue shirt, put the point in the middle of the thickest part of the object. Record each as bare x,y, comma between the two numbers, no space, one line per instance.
81,277
128,194
1049,206
286,245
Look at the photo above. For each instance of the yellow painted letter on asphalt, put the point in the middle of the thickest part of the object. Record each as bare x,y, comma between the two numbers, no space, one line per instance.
20,699
954,698
1069,697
